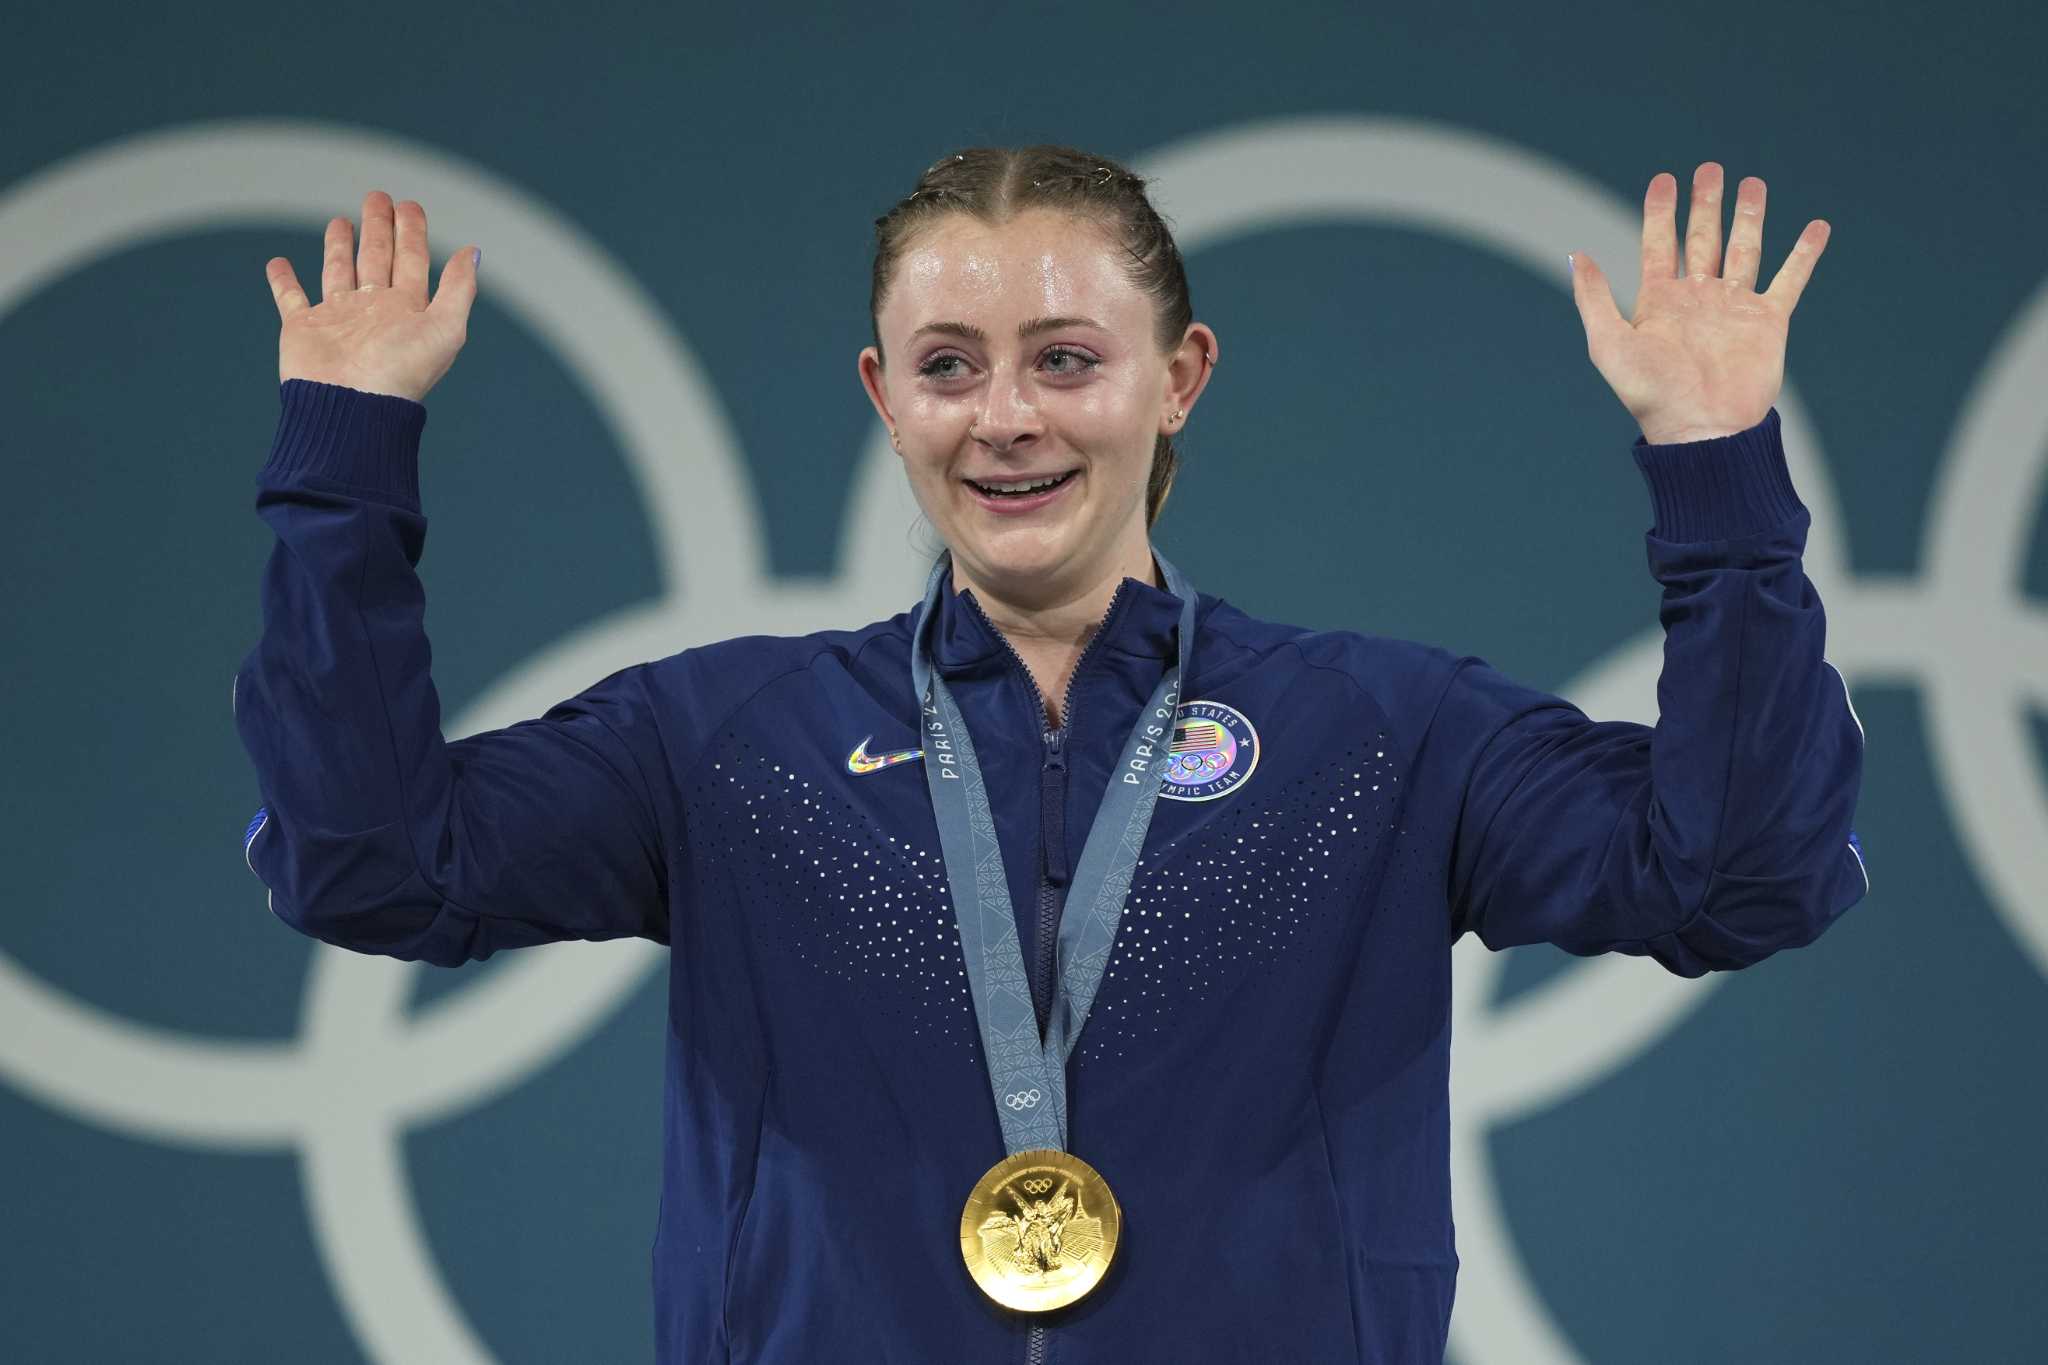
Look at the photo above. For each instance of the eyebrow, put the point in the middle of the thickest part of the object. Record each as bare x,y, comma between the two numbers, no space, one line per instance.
1031,328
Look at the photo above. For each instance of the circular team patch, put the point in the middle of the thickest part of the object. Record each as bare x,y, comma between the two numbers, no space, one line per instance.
1213,752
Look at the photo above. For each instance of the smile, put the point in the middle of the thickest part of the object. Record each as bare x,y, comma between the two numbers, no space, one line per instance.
1020,494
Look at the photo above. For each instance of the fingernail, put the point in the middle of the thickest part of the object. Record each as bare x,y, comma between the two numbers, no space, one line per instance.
1571,266
476,258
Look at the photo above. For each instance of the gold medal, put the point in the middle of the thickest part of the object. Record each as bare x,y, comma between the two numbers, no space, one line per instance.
1039,1230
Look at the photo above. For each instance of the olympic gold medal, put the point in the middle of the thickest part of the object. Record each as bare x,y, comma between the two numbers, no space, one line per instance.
1039,1230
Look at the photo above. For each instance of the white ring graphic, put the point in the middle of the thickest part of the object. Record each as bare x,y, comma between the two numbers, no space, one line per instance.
344,1092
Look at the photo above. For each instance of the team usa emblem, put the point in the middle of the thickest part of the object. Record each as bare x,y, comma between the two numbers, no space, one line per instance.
1213,753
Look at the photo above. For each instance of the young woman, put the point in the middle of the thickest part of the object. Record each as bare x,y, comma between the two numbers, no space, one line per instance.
902,867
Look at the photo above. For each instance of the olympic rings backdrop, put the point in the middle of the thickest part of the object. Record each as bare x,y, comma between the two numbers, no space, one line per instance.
222,1142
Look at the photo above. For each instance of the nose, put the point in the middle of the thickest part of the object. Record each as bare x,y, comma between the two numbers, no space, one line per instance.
1007,422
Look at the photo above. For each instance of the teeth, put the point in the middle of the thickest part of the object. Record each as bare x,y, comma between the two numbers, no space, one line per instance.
1030,486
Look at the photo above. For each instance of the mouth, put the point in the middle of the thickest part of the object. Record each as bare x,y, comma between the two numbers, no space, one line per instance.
1019,495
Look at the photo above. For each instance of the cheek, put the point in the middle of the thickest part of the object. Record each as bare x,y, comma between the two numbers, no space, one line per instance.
935,422
1115,420
924,407
932,487
927,473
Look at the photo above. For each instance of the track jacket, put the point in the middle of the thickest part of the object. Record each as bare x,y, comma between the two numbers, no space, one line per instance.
1264,1078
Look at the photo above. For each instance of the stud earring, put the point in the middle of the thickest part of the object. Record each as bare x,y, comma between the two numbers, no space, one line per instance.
1179,413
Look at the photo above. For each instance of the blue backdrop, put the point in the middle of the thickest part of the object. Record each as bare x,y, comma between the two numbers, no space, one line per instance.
224,1143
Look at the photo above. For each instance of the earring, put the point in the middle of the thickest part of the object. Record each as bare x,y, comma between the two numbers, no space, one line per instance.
1179,413
892,439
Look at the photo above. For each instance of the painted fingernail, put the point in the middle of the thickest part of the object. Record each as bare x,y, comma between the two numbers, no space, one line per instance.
1571,266
476,258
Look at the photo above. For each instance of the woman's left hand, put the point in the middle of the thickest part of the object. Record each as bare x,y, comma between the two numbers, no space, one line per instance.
1705,353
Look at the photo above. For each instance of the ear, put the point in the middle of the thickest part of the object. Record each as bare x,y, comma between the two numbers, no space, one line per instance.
1187,374
871,378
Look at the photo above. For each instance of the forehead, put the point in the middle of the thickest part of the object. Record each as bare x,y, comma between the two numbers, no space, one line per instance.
1042,262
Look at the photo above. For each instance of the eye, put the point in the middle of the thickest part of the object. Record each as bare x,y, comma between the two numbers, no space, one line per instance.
1083,361
1076,362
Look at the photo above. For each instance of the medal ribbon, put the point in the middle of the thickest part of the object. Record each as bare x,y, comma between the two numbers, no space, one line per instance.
1029,1077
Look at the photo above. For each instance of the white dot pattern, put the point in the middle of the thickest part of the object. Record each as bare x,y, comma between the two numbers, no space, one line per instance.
825,884
1257,887
1255,883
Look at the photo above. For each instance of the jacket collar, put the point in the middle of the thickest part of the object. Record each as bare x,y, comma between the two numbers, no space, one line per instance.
1141,621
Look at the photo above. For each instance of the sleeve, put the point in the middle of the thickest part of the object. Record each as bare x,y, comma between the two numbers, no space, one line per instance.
375,833
1721,834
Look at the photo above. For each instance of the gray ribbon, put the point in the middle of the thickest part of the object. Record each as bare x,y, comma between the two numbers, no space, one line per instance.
1027,1076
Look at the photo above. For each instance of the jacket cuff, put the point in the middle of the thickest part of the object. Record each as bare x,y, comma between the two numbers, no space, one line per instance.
1721,488
367,440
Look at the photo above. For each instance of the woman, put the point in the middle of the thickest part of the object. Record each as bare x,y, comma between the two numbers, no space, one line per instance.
876,853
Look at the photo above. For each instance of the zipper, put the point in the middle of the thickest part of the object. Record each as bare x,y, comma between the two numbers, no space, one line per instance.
1053,867
1052,862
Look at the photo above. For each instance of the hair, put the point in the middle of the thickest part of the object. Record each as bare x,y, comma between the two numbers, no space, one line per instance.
995,184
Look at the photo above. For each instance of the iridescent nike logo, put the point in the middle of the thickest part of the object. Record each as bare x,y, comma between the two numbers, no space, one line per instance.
861,761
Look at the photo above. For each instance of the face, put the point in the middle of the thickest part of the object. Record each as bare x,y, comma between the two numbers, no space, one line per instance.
1026,387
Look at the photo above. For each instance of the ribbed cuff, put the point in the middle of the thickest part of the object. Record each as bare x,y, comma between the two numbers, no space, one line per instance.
369,440
1720,488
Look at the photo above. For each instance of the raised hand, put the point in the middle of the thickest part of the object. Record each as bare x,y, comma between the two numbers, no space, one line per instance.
1705,353
374,328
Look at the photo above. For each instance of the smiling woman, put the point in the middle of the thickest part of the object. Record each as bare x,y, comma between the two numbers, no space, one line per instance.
1045,353
1235,852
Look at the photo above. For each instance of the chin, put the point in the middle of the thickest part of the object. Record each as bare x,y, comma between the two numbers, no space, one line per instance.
1018,559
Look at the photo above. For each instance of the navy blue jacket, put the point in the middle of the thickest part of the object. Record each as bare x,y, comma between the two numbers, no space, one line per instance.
1264,1078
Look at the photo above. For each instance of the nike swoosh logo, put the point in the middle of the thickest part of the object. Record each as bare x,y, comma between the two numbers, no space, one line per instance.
861,761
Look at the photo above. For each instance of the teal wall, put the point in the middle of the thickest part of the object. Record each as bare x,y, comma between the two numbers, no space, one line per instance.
221,1143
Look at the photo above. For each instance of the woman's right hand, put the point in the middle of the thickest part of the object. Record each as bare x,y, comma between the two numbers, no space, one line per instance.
374,328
